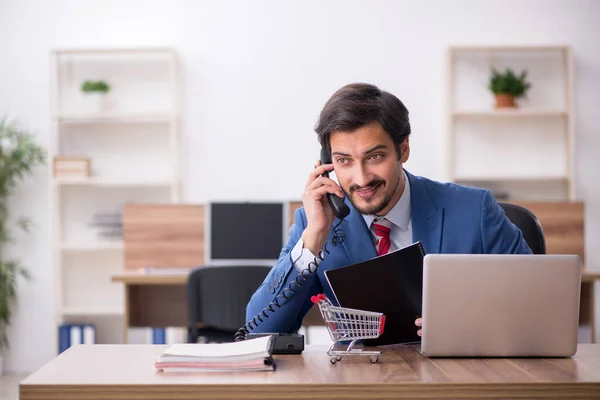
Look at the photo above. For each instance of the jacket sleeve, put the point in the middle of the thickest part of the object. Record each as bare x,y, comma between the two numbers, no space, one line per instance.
499,235
276,287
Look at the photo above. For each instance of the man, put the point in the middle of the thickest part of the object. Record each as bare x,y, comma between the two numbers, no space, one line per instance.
366,130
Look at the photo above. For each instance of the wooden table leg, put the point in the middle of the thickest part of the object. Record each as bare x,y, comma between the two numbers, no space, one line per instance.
591,312
586,308
126,319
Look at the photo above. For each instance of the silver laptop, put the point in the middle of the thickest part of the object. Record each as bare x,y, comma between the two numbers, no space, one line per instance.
500,305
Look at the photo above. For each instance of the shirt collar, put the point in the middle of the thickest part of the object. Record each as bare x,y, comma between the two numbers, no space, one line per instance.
399,215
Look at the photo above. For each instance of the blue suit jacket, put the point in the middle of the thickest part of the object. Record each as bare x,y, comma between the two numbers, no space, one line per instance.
446,218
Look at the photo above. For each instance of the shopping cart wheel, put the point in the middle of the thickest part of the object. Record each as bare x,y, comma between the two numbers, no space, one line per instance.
339,358
374,359
333,360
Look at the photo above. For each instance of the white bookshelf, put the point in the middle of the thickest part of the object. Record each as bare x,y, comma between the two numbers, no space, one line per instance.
517,113
73,311
92,246
524,153
107,118
133,146
112,182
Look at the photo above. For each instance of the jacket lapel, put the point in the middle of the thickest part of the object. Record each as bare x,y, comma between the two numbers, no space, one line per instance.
358,244
426,218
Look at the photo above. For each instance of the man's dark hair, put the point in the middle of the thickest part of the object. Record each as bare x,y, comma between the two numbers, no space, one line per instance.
359,104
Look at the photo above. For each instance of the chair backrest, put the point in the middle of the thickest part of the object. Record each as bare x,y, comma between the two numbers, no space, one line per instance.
218,295
528,223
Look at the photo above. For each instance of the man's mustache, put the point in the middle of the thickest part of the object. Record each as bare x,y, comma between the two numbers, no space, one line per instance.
369,185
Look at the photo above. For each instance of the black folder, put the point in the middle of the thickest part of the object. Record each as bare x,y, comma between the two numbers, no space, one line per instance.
391,284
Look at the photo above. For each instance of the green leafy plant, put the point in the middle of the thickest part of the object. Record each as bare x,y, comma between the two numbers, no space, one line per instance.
509,83
95,86
19,155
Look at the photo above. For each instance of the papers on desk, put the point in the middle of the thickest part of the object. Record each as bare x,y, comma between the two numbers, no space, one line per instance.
247,355
165,271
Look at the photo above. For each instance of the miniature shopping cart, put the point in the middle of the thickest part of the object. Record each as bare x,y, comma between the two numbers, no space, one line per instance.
347,324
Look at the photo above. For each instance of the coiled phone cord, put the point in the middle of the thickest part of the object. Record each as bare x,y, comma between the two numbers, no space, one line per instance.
338,237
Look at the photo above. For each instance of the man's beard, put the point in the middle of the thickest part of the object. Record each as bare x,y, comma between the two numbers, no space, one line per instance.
373,209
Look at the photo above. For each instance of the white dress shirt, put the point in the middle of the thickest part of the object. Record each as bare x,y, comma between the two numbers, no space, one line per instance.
400,235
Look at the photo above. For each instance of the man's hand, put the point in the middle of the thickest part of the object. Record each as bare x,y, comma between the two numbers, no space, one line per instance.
419,323
319,214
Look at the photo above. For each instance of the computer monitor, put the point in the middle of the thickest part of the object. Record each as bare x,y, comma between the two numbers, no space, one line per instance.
249,233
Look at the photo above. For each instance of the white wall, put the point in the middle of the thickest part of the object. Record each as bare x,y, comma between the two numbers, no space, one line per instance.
256,74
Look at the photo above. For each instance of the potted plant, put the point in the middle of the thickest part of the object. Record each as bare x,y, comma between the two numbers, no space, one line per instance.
507,87
95,93
19,154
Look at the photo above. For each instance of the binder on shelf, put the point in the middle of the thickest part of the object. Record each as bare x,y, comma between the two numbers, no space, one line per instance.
169,335
139,335
159,336
72,334
175,334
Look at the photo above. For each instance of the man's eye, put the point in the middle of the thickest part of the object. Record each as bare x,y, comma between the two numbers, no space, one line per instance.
342,160
376,156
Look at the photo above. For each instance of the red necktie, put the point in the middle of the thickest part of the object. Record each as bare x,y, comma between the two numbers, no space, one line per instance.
382,230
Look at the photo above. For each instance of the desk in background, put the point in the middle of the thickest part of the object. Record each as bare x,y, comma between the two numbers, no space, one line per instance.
173,235
161,300
563,224
153,300
169,238
120,372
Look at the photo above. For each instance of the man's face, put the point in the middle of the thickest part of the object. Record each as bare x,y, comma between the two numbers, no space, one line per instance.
368,169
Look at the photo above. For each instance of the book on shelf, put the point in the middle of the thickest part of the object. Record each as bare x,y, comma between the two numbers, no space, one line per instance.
157,335
71,167
246,355
73,334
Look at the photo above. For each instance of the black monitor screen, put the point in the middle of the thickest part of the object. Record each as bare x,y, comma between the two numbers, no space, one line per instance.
246,231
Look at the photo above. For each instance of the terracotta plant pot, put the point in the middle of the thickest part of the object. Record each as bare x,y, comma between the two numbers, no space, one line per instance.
505,101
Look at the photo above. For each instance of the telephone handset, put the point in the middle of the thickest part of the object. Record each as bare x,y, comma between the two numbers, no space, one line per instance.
340,209
294,343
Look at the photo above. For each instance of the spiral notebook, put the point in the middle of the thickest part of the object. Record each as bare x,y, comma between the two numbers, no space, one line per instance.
391,284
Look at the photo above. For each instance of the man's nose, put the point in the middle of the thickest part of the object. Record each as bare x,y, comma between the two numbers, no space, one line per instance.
361,176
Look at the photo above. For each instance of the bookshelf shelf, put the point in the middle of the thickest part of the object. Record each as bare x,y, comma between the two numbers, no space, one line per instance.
518,113
129,139
125,118
506,149
507,178
107,182
78,311
126,51
92,247
507,48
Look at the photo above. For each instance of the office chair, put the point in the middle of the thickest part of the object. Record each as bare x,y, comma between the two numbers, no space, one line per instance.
217,299
528,223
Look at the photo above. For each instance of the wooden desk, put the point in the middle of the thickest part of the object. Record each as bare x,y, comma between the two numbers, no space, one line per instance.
153,300
87,372
161,300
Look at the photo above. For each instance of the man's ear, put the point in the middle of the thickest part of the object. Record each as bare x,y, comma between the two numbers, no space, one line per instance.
404,150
